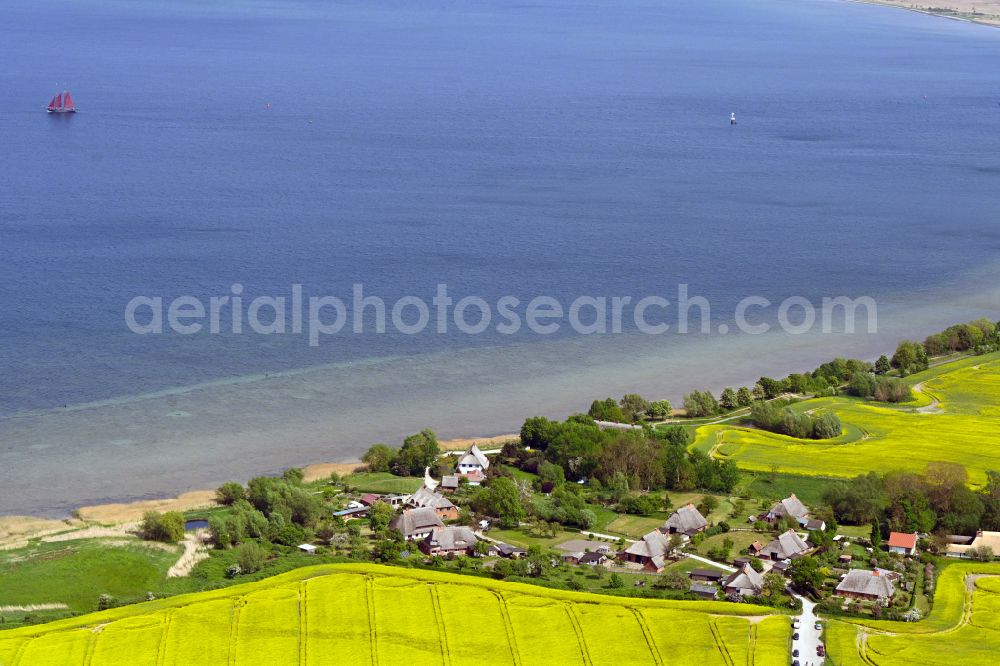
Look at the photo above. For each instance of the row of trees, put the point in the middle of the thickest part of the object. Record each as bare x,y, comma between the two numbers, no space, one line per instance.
939,500
780,418
632,408
880,387
648,459
979,336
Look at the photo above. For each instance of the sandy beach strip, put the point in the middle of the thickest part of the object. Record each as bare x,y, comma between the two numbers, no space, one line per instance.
985,12
15,531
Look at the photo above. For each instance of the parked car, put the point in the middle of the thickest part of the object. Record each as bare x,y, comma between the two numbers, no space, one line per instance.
795,662
795,652
820,650
795,636
819,626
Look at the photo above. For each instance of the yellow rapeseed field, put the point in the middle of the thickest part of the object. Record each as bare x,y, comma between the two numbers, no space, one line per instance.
962,629
382,616
955,418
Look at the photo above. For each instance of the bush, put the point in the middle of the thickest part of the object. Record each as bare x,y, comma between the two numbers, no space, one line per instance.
228,493
167,527
250,557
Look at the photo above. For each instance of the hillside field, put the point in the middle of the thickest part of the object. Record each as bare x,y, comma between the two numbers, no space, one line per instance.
963,629
370,614
956,417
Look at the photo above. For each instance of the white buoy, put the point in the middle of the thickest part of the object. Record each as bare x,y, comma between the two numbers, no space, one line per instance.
732,118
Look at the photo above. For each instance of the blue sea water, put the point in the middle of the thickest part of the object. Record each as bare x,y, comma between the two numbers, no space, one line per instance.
525,148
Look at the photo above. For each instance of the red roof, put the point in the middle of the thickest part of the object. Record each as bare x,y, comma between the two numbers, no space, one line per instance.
902,540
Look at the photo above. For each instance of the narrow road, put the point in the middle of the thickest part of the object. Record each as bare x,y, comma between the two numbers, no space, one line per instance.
598,535
717,565
809,637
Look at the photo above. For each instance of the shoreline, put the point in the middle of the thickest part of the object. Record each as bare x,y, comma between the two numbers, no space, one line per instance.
16,530
951,13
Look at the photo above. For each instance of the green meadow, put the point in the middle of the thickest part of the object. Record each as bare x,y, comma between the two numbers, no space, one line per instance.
370,614
955,417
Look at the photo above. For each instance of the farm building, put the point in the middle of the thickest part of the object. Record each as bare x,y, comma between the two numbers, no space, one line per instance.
790,507
786,546
706,575
473,465
685,520
425,498
902,543
983,538
704,591
650,551
743,582
450,540
509,551
593,559
416,523
449,483
866,585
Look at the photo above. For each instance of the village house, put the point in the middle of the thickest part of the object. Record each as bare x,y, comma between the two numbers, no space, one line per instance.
686,520
370,498
509,551
866,585
983,538
473,465
706,575
704,591
416,524
573,557
790,507
650,551
755,549
449,483
743,582
426,498
902,543
787,546
593,559
450,540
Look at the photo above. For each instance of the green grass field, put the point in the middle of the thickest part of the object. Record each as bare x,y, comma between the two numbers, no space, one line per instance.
383,482
963,628
369,614
880,437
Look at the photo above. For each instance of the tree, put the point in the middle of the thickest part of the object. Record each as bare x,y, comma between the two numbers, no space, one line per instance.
707,505
418,452
250,557
700,403
606,410
167,527
536,432
774,585
671,580
379,517
228,493
389,548
876,535
772,388
634,407
744,397
293,475
806,575
668,504
616,582
502,500
379,458
882,365
827,426
728,399
910,357
659,409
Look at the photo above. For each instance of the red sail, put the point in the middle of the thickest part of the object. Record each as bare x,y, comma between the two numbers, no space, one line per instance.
56,101
68,101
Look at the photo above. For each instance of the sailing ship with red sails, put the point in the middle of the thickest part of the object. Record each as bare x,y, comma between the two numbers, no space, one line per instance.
62,103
